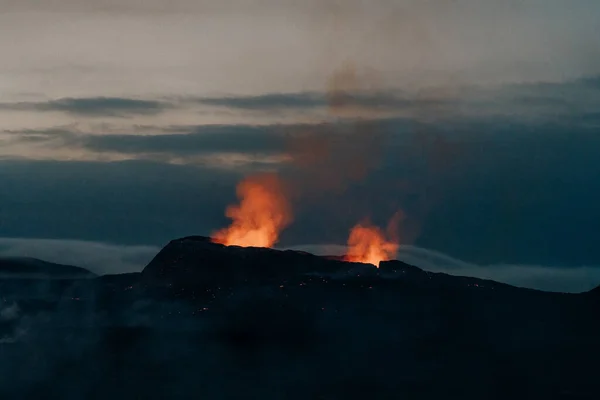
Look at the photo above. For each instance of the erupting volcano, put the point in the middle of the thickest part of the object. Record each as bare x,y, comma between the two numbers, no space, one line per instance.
326,161
367,243
262,214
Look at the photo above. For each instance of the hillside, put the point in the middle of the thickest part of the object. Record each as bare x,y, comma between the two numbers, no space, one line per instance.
207,320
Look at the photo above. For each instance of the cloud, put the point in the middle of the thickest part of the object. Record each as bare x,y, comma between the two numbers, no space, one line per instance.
198,140
315,115
267,101
456,113
544,101
464,100
233,146
99,258
217,146
306,100
91,107
213,46
556,279
63,134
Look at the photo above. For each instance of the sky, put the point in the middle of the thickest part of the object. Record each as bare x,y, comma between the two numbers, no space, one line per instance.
126,124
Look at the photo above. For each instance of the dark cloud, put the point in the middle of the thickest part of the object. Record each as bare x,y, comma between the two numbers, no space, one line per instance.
197,140
365,105
510,99
230,145
92,106
240,139
267,101
386,100
523,101
184,141
60,133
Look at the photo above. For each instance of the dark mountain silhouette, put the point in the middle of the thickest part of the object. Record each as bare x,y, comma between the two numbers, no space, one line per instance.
206,320
25,267
595,292
197,261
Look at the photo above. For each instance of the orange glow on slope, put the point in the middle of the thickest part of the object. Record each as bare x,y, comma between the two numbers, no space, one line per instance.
262,214
369,244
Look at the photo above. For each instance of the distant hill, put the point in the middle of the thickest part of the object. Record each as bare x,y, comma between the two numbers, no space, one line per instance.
25,267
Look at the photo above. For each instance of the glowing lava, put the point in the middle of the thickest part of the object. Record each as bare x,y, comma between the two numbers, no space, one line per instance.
262,214
369,244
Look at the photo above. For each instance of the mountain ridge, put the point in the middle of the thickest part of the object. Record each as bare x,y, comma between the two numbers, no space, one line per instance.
185,259
29,267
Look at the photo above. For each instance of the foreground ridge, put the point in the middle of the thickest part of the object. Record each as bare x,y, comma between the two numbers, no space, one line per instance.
233,322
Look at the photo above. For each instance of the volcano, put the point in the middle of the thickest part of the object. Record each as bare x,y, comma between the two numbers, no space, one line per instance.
208,320
197,261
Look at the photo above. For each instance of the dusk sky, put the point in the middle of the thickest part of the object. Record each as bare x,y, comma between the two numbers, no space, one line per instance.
125,124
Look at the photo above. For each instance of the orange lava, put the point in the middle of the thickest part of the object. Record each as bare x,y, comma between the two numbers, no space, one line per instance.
262,214
367,243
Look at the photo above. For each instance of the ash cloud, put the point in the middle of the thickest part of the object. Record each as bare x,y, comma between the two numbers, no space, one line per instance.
328,160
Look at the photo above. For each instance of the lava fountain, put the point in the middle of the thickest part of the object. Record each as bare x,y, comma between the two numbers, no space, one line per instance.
263,212
367,243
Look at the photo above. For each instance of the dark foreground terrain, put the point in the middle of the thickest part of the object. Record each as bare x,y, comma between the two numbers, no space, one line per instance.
204,321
